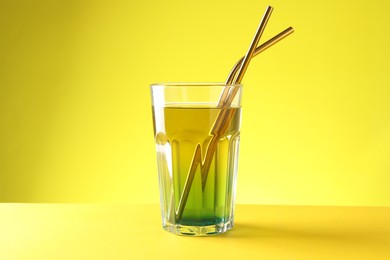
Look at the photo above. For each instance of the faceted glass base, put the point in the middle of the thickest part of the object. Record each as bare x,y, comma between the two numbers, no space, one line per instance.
198,230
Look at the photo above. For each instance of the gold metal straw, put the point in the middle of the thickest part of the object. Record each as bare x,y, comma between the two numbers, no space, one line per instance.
225,115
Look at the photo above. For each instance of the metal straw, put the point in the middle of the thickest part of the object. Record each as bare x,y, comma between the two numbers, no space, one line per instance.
225,115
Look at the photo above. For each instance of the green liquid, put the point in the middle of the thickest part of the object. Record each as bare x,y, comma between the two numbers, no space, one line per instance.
179,130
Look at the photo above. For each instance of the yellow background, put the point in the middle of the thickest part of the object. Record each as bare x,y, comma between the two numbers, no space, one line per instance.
75,116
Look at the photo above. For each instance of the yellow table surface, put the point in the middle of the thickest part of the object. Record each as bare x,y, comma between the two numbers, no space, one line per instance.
101,231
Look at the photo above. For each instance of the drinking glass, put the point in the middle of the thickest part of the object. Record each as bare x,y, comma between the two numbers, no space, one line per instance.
197,142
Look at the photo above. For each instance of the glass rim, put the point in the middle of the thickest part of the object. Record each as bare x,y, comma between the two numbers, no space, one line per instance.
193,84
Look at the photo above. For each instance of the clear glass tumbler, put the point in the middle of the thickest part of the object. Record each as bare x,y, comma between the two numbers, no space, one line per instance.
197,140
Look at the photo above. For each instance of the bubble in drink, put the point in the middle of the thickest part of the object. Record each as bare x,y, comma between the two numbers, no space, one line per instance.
161,138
